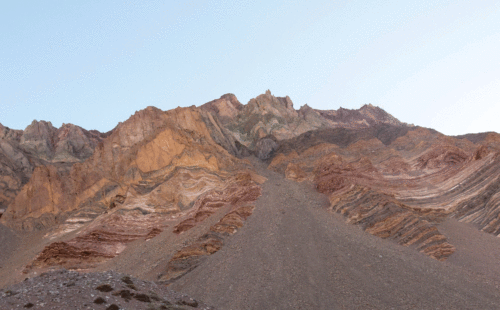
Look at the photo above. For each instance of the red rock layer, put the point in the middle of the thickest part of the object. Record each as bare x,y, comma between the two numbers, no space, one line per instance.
102,240
64,254
232,221
236,197
192,255
402,188
242,191
135,218
385,217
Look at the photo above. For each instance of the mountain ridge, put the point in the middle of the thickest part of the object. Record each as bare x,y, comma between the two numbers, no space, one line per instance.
187,179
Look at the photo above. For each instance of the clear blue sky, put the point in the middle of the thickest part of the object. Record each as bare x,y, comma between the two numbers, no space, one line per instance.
94,63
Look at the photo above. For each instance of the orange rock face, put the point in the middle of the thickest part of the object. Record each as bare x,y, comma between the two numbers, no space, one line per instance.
158,172
151,144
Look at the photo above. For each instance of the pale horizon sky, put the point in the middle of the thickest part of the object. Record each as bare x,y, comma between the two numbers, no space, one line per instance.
94,63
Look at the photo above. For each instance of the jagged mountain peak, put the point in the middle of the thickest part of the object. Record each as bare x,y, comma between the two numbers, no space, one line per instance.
269,104
41,123
269,116
226,107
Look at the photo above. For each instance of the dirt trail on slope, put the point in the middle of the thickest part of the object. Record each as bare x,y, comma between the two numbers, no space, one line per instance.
294,254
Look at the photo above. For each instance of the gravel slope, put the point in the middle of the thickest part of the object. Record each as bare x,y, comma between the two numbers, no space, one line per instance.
477,251
293,254
8,243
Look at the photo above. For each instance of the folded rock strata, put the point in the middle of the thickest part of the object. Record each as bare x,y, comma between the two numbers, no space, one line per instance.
157,170
398,184
192,255
181,175
385,217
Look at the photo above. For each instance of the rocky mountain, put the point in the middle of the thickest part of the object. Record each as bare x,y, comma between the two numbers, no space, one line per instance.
266,120
40,144
162,195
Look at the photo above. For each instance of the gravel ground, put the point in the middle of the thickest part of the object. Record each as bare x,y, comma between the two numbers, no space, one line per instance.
8,242
477,252
293,254
64,289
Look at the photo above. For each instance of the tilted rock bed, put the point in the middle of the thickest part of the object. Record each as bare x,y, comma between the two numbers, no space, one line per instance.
64,289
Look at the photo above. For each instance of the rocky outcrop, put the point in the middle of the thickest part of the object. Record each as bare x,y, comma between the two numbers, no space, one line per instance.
267,115
139,218
142,150
275,118
385,217
226,107
157,173
235,199
398,182
265,147
69,143
367,115
15,170
240,191
192,255
40,144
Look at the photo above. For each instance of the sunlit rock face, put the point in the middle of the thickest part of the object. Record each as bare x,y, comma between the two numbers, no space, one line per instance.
139,153
158,172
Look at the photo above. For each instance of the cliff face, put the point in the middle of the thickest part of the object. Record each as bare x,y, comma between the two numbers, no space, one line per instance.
182,173
40,144
226,107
